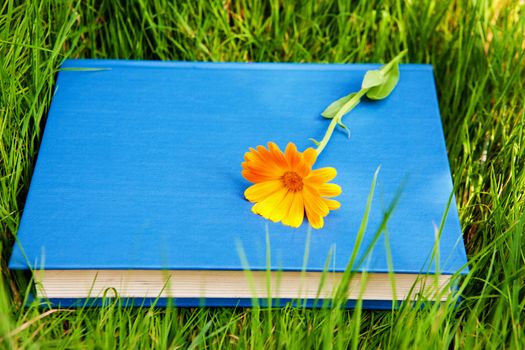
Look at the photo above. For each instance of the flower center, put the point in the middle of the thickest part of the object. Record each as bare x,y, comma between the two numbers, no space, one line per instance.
292,181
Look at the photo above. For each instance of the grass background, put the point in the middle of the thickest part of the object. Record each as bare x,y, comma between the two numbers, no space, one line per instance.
478,51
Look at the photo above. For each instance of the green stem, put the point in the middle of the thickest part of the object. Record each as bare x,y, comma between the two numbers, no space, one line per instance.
354,101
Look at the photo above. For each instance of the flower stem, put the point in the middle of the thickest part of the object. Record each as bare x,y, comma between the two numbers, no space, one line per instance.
354,101
377,85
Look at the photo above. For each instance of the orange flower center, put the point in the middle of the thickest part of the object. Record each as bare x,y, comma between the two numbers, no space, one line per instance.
292,181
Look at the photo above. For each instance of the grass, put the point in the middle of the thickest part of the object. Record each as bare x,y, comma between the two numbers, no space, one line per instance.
478,51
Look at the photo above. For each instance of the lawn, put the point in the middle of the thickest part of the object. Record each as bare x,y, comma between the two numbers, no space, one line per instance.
478,52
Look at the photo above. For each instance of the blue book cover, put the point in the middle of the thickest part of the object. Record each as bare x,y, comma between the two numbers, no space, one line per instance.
139,169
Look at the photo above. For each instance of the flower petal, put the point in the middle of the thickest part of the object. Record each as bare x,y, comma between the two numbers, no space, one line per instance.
256,177
277,155
282,209
315,220
296,213
251,156
319,176
255,156
260,156
292,156
262,190
304,168
310,156
314,202
267,158
261,165
263,170
329,190
266,207
332,204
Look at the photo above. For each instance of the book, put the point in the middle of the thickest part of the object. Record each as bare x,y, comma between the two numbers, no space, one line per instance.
137,191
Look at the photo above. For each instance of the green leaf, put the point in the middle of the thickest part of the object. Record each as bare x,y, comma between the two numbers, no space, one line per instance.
381,84
335,106
384,89
373,78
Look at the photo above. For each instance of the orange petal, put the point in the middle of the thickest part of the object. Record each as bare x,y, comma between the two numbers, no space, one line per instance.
250,156
248,175
269,170
256,177
254,156
315,220
260,155
310,156
262,190
319,176
314,202
332,204
302,170
292,156
278,155
272,157
296,213
304,167
265,155
329,190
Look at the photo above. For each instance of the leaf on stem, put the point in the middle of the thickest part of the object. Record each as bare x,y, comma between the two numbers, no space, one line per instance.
335,106
389,82
372,79
380,83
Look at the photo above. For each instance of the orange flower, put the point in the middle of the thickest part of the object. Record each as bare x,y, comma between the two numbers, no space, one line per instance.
285,186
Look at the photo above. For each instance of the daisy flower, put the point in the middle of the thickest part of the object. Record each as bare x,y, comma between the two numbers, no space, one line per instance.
285,186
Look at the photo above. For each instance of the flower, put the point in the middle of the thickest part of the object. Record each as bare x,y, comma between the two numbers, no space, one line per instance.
285,186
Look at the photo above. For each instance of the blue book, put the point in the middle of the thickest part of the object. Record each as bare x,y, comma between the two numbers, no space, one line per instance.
137,189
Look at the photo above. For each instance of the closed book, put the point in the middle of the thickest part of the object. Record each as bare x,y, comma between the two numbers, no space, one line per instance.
137,191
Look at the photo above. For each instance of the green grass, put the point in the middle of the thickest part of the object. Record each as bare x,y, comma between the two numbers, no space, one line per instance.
478,51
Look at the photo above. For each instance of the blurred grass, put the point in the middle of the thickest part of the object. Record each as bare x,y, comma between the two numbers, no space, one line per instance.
477,49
